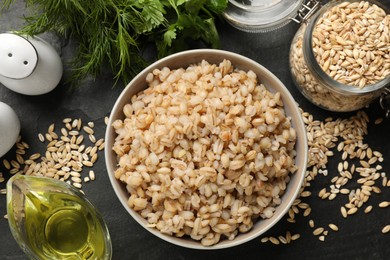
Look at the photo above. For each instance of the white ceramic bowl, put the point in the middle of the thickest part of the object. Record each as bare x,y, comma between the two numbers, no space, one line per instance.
273,84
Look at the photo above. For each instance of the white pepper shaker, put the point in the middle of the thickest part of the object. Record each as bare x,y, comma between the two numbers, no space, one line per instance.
28,65
9,128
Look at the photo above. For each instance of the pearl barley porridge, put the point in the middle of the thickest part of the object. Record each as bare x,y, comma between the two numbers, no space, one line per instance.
204,151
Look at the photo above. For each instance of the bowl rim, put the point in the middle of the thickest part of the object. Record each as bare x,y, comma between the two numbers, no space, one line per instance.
296,119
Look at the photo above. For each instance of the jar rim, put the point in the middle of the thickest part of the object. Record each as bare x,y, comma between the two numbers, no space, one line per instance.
261,17
316,69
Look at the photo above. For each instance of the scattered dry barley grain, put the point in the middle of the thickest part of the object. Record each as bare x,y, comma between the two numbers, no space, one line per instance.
333,227
386,229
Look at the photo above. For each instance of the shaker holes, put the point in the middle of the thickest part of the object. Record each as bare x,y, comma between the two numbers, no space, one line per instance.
24,62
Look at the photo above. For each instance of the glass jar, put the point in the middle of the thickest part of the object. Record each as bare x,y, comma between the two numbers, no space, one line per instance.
261,15
313,60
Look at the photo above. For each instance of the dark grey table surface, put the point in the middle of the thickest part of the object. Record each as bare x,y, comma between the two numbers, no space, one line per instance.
359,237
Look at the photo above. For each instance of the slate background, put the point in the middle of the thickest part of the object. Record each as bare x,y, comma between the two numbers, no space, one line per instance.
359,236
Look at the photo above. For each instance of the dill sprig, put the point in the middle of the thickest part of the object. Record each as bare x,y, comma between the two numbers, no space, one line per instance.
116,31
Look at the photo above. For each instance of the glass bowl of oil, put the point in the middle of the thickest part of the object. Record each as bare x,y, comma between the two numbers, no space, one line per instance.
50,219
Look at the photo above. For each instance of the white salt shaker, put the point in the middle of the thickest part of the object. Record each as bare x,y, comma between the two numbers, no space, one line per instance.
28,65
9,128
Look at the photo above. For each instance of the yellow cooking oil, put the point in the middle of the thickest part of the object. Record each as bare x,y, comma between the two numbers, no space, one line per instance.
52,222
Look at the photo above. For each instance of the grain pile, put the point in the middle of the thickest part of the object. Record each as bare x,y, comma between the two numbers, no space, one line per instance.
204,151
67,154
359,167
351,43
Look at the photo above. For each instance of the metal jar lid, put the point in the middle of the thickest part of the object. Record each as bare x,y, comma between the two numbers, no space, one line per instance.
266,15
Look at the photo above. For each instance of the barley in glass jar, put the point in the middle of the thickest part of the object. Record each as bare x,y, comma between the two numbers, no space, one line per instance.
339,57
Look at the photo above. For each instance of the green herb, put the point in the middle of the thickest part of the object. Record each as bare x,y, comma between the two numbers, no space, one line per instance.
118,31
